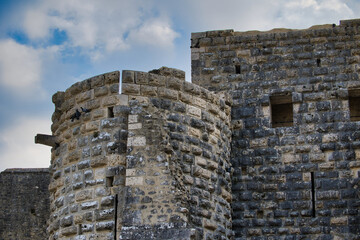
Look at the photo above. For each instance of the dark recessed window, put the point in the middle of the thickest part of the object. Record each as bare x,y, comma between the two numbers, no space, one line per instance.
313,194
281,111
109,181
110,112
237,69
354,104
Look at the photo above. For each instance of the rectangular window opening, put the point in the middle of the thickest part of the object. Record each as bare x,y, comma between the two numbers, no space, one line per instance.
237,69
109,181
116,202
243,171
354,105
110,112
313,194
281,111
318,62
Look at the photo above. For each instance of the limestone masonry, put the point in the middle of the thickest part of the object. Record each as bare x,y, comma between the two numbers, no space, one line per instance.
264,144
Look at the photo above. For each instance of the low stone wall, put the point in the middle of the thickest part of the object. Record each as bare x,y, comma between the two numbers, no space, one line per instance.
24,203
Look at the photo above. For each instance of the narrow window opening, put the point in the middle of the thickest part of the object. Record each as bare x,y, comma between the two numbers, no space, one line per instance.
32,211
110,112
313,194
237,69
281,111
354,105
115,217
109,181
318,62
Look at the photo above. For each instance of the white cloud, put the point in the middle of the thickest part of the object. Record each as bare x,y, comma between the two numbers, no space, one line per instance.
319,5
97,26
241,15
36,23
154,32
21,68
298,13
18,149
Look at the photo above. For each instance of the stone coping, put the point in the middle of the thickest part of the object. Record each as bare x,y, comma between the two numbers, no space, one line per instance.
231,32
26,170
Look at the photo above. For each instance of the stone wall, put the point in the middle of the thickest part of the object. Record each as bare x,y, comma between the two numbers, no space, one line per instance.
300,180
265,146
24,204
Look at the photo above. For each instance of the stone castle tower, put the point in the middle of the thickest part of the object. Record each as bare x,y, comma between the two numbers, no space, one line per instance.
264,144
150,163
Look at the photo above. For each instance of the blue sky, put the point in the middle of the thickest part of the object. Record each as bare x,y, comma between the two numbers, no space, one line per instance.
47,45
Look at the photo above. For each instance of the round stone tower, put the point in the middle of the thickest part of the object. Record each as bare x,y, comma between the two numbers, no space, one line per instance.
150,163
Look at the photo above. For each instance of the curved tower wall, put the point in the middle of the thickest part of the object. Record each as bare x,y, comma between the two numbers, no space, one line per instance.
150,163
88,165
302,180
178,156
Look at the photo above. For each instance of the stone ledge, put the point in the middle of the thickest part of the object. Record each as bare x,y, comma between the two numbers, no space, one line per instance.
26,170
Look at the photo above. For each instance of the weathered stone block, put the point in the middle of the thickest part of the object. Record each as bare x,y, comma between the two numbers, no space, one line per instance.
131,181
148,90
104,226
136,141
168,93
69,231
98,161
156,80
101,91
128,88
128,76
194,111
88,205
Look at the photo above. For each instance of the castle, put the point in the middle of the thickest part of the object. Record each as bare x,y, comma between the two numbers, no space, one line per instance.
263,144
